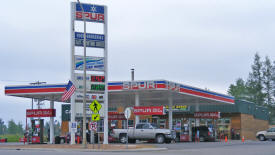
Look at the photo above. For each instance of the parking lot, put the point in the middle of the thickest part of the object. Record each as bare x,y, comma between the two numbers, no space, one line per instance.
202,148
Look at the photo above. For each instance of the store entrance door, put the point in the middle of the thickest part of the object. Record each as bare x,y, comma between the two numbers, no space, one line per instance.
162,123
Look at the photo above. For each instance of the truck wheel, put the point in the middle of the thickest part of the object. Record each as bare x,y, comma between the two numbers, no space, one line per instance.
261,138
160,139
123,138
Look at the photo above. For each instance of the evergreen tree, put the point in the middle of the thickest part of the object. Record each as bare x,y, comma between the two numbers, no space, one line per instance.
19,128
273,81
3,127
267,81
57,128
12,127
46,128
255,81
239,91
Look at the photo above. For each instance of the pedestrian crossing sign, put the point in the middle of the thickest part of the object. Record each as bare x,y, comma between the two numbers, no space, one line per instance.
95,106
95,117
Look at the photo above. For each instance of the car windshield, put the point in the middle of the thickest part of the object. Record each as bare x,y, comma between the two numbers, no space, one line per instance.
154,126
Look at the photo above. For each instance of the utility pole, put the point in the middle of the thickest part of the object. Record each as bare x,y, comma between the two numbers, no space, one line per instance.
37,83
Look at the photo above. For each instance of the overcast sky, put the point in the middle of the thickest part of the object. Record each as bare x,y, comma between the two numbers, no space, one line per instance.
202,43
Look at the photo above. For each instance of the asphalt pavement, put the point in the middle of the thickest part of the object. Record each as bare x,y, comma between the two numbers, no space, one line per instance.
202,148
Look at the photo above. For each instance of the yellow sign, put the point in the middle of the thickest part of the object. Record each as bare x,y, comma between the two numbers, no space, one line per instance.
95,106
95,117
179,107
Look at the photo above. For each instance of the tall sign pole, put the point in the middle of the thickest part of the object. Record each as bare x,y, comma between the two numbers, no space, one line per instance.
92,85
106,128
72,71
84,141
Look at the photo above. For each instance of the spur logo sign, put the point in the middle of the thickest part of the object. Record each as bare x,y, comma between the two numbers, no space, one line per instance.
139,85
94,13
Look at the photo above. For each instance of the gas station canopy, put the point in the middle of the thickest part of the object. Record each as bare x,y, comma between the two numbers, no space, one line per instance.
121,93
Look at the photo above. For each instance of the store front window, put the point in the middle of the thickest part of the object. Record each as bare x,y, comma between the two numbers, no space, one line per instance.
223,127
143,121
130,124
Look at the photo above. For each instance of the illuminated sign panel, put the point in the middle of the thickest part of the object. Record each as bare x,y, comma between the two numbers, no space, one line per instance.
94,13
92,63
97,78
40,112
92,40
97,87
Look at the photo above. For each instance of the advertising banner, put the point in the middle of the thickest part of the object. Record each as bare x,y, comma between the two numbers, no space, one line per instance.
40,112
65,112
92,13
211,115
92,40
179,108
116,117
157,110
92,63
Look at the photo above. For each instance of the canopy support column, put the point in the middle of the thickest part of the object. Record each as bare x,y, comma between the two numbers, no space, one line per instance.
52,124
197,109
137,104
170,100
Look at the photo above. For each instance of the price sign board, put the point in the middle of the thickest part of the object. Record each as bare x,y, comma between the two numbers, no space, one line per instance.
97,87
97,78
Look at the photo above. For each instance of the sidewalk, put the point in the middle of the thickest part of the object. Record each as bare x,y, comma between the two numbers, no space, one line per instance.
79,147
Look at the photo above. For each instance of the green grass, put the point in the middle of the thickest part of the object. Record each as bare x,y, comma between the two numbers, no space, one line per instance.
11,138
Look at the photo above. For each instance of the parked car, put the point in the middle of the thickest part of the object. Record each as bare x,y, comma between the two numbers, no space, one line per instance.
144,131
266,135
204,133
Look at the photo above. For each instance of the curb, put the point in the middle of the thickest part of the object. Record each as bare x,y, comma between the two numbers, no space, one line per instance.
88,150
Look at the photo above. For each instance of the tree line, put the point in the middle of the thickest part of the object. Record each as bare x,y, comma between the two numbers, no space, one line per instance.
259,87
12,127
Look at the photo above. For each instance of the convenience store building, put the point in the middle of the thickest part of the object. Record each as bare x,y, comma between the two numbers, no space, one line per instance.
187,100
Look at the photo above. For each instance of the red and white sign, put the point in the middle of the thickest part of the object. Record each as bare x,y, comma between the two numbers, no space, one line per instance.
116,117
93,126
40,113
212,115
158,110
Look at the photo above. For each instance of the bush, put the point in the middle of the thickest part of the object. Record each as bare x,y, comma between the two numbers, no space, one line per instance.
12,138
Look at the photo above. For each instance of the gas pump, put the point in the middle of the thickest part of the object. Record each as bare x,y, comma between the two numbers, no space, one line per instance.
37,131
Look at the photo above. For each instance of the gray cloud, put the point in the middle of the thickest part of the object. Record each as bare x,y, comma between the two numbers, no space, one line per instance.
204,43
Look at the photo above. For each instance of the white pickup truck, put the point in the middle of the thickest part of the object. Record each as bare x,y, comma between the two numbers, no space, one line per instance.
144,131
